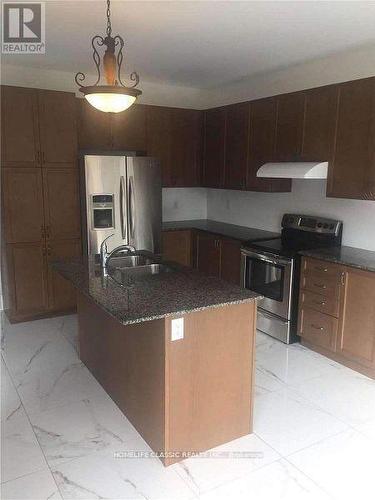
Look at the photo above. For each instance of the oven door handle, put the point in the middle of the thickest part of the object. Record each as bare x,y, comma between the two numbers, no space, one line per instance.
267,260
268,315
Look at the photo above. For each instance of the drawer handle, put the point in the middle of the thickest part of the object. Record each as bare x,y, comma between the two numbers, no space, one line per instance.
322,303
320,285
320,328
324,269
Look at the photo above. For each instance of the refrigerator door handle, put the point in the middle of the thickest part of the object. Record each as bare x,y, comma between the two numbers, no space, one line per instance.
131,207
124,229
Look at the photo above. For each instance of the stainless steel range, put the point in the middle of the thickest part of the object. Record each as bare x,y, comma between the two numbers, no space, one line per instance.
272,268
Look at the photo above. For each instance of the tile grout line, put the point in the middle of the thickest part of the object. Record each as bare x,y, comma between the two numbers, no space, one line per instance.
36,438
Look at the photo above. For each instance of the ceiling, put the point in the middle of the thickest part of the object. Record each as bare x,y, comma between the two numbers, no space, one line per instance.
203,44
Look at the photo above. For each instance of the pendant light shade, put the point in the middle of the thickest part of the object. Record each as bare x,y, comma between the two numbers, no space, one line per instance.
113,97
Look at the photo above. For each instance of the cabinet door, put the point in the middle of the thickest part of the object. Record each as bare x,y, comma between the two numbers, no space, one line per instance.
27,279
230,261
262,144
20,128
352,173
94,127
357,326
129,129
289,126
214,147
58,128
236,145
320,123
186,147
22,205
208,254
159,139
61,203
62,294
177,246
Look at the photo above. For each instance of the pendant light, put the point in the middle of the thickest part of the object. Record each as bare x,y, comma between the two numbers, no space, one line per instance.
114,96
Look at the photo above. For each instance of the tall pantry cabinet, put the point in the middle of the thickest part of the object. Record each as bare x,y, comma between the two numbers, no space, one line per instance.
40,199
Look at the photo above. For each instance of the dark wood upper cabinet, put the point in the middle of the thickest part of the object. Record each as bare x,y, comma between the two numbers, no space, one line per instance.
58,128
263,113
320,123
20,127
129,129
94,127
22,195
352,172
214,147
61,203
236,145
186,147
208,253
289,126
158,138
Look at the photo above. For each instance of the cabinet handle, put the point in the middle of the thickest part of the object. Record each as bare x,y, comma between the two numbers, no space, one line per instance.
42,230
343,278
49,251
320,303
324,269
47,231
320,285
320,328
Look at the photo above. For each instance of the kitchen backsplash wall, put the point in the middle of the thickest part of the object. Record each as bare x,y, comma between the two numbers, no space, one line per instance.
184,203
264,210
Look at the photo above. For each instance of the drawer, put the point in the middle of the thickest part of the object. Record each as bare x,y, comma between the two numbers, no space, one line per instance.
317,328
321,284
320,267
328,304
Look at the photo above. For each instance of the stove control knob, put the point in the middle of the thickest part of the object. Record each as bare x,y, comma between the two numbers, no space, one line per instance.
325,226
320,225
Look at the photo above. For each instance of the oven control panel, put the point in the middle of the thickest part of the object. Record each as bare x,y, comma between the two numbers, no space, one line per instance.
311,224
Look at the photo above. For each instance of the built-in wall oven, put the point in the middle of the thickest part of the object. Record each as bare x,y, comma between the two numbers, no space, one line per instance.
272,269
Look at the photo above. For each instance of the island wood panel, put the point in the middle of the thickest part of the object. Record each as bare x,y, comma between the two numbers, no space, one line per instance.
209,378
182,396
129,363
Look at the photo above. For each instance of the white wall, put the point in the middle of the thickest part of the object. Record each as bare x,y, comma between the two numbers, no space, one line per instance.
264,210
336,68
153,93
184,203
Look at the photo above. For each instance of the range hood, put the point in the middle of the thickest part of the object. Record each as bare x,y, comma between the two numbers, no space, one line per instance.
294,170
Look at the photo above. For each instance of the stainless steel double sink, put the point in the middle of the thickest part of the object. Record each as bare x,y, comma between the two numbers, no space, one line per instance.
128,267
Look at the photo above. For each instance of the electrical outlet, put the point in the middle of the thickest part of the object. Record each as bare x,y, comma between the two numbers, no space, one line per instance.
177,331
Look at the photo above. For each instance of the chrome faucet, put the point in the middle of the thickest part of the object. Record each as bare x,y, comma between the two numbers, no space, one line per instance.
105,255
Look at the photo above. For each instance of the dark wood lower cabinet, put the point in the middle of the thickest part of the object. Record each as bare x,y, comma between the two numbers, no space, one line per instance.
62,294
27,280
341,323
230,261
208,253
178,246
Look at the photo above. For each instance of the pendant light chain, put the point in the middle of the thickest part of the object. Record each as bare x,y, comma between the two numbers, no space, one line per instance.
109,26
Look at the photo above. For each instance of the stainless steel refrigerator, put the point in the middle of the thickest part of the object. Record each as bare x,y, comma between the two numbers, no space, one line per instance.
123,198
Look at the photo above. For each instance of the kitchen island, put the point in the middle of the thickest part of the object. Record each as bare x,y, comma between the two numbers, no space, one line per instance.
186,386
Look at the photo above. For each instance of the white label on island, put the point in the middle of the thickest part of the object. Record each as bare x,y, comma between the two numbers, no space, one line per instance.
177,332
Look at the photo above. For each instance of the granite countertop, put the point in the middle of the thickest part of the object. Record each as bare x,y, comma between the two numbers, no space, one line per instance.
240,233
153,297
348,256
